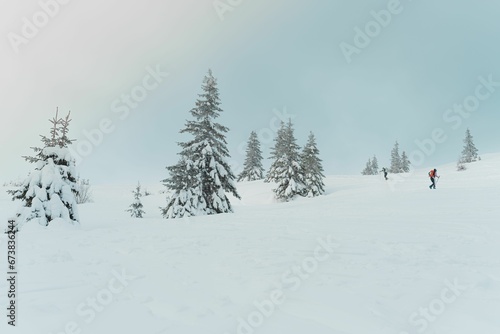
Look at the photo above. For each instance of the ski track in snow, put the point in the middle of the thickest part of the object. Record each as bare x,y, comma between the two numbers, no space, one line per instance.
395,250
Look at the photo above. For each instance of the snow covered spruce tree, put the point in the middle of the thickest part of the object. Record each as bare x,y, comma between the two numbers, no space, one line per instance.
405,163
395,160
50,190
371,167
469,152
187,196
286,169
368,168
312,169
252,168
135,209
201,178
277,151
374,166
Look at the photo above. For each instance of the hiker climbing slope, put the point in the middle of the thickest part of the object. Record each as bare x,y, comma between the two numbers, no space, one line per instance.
433,175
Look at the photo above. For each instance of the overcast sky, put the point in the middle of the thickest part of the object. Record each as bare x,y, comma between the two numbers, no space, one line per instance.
271,58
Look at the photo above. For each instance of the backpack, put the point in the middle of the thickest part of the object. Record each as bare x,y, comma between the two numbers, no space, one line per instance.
431,173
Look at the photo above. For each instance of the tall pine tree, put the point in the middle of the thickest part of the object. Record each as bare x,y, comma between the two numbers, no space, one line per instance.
252,168
50,190
395,160
202,177
469,152
312,168
286,170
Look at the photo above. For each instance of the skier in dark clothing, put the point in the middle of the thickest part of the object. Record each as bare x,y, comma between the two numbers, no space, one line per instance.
385,172
433,175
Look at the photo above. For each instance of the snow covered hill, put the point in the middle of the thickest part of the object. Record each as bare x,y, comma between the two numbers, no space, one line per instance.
369,257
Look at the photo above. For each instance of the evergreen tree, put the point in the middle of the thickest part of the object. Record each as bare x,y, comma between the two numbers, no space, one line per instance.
405,163
312,168
202,177
368,168
374,166
461,165
187,196
395,160
277,152
252,168
51,189
135,209
469,152
286,169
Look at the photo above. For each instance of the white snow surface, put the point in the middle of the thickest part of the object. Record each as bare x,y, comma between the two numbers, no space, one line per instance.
390,253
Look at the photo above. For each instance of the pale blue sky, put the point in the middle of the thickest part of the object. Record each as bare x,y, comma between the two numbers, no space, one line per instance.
279,55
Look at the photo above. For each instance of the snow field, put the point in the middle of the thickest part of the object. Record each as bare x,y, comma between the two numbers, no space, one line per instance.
404,259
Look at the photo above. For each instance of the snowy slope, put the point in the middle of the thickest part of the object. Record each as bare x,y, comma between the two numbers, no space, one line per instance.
371,256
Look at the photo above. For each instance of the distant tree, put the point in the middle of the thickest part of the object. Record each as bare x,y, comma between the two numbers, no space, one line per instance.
135,209
368,168
202,177
460,165
51,189
374,165
286,170
395,160
252,168
405,163
312,168
469,152
371,167
277,152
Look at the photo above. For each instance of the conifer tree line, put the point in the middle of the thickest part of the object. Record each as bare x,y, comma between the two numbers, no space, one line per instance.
199,183
399,163
202,181
202,178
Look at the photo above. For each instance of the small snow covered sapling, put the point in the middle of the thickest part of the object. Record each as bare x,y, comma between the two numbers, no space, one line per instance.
135,209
